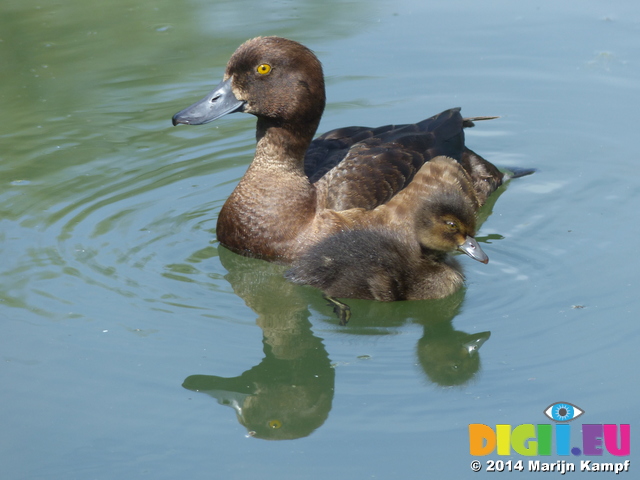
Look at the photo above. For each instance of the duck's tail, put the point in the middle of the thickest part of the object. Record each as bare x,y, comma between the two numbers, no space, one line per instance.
516,172
468,122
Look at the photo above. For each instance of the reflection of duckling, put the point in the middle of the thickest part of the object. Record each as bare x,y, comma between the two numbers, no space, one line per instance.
381,263
450,357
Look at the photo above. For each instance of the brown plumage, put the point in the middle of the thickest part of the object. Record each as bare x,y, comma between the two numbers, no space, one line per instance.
382,260
376,264
298,191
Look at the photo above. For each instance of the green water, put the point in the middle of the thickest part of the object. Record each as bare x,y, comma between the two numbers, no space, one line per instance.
128,337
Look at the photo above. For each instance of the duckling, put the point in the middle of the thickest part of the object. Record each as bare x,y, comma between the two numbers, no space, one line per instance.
298,190
378,262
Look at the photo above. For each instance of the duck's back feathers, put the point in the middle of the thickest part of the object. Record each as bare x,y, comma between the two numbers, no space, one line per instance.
359,167
485,176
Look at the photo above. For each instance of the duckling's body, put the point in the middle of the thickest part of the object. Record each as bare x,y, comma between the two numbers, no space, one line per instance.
387,260
298,191
376,264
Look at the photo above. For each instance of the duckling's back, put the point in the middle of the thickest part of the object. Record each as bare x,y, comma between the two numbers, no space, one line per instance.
375,264
365,264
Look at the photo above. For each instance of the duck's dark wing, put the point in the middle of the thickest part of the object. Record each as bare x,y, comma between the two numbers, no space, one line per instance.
329,149
363,167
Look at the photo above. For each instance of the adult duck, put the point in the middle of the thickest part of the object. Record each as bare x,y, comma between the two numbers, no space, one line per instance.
298,190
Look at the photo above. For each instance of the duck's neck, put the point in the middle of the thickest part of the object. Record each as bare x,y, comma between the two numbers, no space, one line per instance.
274,200
286,142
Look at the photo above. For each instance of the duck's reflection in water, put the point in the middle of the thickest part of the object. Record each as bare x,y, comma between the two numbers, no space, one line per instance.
290,393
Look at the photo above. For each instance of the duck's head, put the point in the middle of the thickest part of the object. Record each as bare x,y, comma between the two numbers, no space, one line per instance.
278,80
448,223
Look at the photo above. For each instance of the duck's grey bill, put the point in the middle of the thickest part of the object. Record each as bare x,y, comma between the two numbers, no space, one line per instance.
220,102
471,248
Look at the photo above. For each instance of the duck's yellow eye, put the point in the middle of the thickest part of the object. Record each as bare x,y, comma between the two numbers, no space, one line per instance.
264,69
452,226
275,424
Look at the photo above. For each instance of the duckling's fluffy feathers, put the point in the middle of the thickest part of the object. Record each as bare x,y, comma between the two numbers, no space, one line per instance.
377,265
387,254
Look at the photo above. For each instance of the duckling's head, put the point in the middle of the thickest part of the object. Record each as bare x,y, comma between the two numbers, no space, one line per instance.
450,225
273,78
447,222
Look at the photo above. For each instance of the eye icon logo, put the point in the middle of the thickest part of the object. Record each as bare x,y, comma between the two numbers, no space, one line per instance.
563,412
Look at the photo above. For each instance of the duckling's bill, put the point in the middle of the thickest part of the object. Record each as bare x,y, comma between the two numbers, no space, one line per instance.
475,342
220,102
471,248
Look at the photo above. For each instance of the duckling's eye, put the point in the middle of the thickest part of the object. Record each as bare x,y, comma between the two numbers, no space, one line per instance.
452,226
264,69
275,424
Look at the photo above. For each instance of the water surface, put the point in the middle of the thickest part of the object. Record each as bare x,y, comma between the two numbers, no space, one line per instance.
129,336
